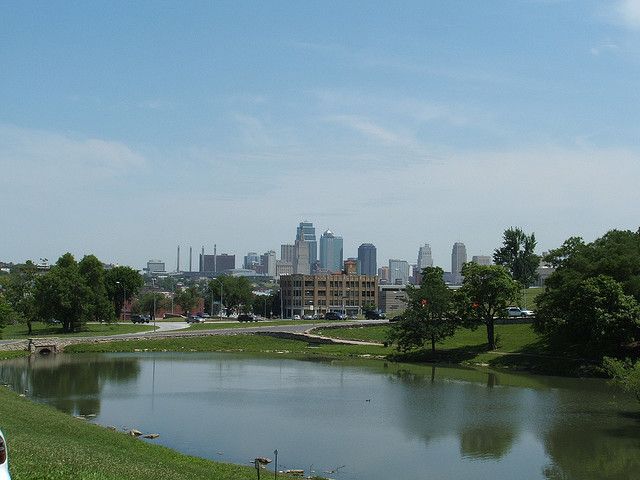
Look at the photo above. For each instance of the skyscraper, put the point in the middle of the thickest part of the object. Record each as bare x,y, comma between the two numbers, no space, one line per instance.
482,259
268,263
367,262
251,261
398,272
331,252
424,257
301,260
288,253
307,232
458,259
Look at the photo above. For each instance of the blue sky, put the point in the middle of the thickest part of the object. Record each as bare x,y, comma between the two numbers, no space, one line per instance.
127,128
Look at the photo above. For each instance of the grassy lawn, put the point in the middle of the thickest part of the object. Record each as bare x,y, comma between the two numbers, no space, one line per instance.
19,331
45,444
235,343
236,324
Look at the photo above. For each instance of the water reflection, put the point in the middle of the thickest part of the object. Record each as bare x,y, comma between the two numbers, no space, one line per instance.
381,420
68,384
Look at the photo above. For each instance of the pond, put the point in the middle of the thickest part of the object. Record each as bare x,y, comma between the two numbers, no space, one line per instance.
352,421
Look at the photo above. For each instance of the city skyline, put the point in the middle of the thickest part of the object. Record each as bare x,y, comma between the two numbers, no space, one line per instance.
445,122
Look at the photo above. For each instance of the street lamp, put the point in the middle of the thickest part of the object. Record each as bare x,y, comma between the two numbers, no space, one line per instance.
124,298
153,285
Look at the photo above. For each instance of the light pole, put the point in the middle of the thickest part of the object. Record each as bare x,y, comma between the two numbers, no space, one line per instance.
124,299
153,285
220,298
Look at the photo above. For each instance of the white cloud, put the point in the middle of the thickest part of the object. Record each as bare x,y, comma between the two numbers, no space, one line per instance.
604,48
36,156
372,130
629,12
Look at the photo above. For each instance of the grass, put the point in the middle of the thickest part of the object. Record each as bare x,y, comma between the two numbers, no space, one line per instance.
45,444
519,348
7,354
17,332
260,344
236,324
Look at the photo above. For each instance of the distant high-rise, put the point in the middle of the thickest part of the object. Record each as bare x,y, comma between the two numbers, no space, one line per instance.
301,260
217,263
383,273
331,253
367,262
307,232
482,259
424,257
268,263
251,261
398,272
458,259
350,266
288,253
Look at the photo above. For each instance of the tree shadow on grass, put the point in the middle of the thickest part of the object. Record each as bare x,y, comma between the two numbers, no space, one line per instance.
452,355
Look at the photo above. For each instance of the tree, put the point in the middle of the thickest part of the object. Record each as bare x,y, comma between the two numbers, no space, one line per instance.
598,319
429,315
145,302
624,373
101,307
486,292
187,299
517,255
7,314
585,304
234,292
20,293
62,293
122,284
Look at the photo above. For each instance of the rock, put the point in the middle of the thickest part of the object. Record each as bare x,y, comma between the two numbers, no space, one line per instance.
151,435
135,433
263,460
111,427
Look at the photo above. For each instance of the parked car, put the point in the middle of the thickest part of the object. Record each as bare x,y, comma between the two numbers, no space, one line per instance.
140,318
332,316
373,315
307,317
195,319
4,459
296,317
513,312
397,318
245,317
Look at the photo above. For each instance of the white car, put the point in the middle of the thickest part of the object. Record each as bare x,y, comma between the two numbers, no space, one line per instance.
4,459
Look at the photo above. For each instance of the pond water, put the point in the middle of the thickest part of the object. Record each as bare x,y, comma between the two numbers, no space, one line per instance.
351,421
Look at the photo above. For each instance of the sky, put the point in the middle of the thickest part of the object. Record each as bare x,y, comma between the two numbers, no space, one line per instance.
128,128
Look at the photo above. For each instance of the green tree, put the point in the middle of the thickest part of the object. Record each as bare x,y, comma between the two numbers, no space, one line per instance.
486,292
122,284
517,255
101,308
430,314
62,293
187,298
145,302
7,314
235,293
598,318
20,293
625,373
602,319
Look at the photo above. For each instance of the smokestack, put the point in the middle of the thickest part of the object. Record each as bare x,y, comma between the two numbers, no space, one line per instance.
178,262
190,257
202,260
215,258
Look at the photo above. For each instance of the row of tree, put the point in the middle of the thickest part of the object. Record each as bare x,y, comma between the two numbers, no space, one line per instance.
70,292
590,305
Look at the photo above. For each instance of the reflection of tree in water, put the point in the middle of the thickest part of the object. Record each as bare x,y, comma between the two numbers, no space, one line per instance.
69,383
483,418
594,450
486,441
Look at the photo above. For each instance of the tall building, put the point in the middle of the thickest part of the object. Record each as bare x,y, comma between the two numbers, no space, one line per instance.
268,263
288,253
283,268
424,257
251,261
398,272
331,253
351,266
482,259
367,262
301,261
217,263
383,273
307,232
458,259
155,266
